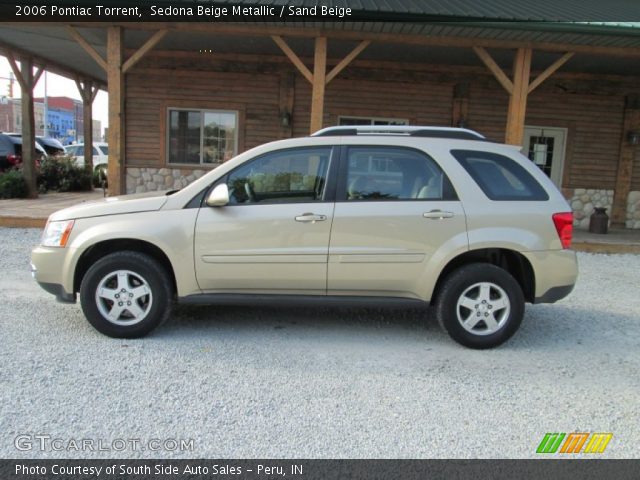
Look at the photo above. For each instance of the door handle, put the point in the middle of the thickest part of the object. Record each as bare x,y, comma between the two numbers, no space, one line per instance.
310,218
437,214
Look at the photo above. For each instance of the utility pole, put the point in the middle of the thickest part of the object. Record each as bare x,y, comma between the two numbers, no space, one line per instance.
45,130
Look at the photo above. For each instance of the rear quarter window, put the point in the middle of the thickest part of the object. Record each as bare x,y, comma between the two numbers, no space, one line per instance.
500,177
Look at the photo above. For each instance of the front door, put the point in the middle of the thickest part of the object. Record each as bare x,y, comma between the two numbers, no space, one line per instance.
545,147
396,208
273,237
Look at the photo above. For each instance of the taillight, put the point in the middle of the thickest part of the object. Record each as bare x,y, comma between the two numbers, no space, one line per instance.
13,159
564,226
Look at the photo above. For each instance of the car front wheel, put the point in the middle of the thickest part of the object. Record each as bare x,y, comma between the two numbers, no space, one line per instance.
480,305
126,295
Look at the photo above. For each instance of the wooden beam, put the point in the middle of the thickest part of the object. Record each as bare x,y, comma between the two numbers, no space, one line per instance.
347,60
37,76
115,79
306,73
377,64
7,49
518,100
94,93
319,82
87,47
550,70
86,92
494,68
28,129
624,172
230,28
16,71
80,87
142,51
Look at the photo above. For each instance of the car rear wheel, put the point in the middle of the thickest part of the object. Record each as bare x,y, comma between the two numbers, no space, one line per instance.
480,305
126,295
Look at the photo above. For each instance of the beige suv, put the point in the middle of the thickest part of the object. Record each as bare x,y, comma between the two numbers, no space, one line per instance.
403,215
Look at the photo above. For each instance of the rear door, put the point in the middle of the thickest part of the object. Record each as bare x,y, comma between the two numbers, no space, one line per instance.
395,208
273,237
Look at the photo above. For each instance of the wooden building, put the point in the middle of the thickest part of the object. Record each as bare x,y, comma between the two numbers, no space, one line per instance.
184,97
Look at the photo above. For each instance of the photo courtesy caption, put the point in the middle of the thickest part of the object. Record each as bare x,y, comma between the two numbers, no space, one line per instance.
158,469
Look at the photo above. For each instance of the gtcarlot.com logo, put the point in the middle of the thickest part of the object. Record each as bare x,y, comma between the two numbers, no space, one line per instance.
48,443
574,443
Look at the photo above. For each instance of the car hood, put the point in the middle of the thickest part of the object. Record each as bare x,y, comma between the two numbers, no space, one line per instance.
141,202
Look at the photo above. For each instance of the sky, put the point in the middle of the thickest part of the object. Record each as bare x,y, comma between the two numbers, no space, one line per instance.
57,86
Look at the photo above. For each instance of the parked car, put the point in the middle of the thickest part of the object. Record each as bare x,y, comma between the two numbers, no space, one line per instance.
51,146
11,151
100,153
409,215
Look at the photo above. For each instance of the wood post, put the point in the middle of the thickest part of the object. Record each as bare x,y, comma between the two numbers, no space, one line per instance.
116,67
88,94
628,153
115,82
319,78
27,81
520,87
319,82
518,100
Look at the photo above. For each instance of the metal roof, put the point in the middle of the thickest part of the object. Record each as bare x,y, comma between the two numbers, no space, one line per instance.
584,23
614,13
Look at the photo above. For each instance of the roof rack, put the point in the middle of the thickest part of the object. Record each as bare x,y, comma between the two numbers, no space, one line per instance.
410,131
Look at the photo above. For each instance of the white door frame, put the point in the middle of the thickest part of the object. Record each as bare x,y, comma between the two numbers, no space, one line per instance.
559,148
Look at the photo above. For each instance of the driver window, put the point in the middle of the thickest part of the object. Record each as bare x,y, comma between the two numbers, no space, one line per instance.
287,176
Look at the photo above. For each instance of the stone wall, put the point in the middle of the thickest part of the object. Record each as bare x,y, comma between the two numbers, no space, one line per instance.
633,210
141,180
584,200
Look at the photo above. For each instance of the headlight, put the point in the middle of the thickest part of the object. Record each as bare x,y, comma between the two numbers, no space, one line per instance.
56,234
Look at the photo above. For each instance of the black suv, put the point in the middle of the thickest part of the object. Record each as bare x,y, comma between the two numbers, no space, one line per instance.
11,151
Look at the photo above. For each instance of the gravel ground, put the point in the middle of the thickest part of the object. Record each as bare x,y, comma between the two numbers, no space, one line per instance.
330,383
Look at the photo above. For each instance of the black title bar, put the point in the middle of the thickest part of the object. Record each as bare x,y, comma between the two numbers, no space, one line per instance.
317,469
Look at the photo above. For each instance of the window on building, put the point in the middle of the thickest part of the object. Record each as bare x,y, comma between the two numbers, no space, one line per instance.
201,136
372,121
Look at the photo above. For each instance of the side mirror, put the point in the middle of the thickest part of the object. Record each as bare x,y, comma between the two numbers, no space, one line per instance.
219,196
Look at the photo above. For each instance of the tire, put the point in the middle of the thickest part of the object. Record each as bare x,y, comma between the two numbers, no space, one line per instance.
480,305
131,285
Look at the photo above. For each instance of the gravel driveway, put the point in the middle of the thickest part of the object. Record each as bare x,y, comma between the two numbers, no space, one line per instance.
300,383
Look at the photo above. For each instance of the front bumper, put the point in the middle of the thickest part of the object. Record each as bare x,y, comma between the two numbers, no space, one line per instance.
58,290
49,269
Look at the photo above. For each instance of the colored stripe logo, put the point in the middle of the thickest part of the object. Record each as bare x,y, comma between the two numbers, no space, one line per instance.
574,443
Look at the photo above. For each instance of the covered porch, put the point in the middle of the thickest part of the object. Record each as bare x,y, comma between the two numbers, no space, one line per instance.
569,94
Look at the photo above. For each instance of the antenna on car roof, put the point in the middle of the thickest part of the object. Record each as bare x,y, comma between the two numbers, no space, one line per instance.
411,131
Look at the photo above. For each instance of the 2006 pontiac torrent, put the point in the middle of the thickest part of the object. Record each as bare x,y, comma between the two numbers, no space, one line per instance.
436,216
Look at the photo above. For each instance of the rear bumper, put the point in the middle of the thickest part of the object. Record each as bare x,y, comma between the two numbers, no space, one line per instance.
556,272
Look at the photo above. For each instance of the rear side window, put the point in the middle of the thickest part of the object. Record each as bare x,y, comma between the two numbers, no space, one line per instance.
500,177
394,173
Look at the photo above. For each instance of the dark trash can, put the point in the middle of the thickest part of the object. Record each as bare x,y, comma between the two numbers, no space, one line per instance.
599,221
